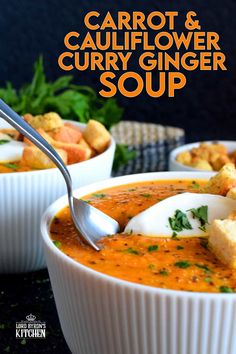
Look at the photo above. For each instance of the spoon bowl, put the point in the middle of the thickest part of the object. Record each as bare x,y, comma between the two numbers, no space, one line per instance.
91,223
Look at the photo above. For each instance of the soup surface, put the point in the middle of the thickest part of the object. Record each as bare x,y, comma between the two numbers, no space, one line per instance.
171,263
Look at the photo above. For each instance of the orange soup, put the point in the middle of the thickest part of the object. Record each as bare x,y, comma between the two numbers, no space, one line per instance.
171,263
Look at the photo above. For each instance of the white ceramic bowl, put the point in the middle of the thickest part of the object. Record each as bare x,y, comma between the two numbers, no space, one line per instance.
25,196
174,165
100,314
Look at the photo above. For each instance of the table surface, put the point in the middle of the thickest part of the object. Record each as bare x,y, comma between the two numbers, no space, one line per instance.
21,295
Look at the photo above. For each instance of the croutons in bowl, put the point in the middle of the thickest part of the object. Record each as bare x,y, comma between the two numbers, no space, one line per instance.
26,193
203,156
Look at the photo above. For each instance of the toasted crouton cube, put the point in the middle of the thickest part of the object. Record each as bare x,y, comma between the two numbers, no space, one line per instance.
184,158
97,136
232,193
222,241
232,215
36,159
85,145
47,122
66,135
220,161
75,152
201,164
45,135
223,181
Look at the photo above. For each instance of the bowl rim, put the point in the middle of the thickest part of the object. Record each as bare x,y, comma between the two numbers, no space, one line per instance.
111,146
112,182
173,153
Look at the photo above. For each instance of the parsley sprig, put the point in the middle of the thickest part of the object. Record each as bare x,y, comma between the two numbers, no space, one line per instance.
179,222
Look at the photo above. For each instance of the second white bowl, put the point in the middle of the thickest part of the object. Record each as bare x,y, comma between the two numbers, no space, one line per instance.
25,196
174,165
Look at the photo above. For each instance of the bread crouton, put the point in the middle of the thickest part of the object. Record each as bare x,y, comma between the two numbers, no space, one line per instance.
184,158
45,135
36,159
201,164
96,136
66,134
223,181
231,193
47,122
85,145
75,152
222,241
232,215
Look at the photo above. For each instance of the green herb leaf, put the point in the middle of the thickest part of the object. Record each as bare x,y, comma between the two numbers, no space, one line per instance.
182,264
151,266
201,214
204,267
4,141
153,248
164,272
174,235
146,195
132,251
10,165
57,243
99,195
122,155
208,280
179,247
195,185
179,221
226,289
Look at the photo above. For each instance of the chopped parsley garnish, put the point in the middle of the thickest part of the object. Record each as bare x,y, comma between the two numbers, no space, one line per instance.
146,195
174,235
208,280
10,165
202,215
179,221
4,141
195,185
131,250
179,247
153,248
57,243
99,195
151,266
204,267
226,289
182,264
164,272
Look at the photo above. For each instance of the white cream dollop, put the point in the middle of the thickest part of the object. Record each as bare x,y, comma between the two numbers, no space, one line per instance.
11,151
154,221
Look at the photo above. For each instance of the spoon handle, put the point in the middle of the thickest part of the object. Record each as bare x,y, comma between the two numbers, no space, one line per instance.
25,129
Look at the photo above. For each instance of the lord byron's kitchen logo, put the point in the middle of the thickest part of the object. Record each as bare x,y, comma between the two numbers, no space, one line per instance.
30,328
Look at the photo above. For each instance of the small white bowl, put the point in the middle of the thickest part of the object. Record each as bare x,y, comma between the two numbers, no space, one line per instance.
100,314
24,197
174,165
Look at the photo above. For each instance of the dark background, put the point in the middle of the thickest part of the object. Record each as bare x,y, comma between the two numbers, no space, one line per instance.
205,107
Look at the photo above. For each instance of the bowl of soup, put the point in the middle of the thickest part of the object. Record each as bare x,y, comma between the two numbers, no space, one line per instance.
25,194
138,294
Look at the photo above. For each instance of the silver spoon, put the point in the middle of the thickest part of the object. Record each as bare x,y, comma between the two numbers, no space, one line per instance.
91,223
